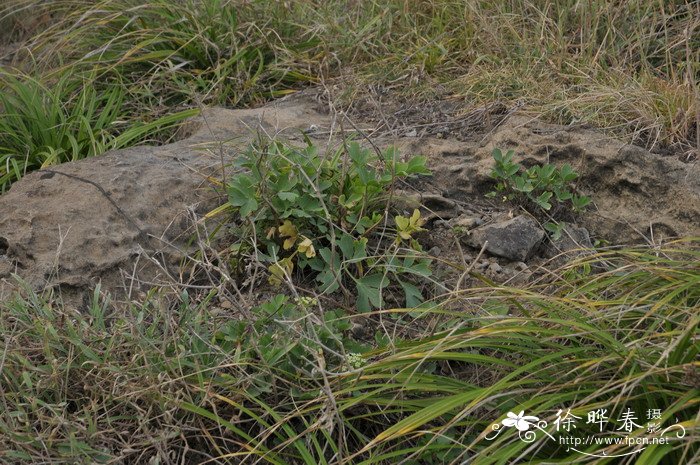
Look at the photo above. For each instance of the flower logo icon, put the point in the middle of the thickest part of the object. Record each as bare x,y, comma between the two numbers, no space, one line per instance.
521,421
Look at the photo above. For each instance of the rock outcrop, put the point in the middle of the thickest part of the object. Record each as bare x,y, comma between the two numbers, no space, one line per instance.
125,219
637,196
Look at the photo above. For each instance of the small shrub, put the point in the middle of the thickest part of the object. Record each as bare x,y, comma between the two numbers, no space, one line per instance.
537,188
323,216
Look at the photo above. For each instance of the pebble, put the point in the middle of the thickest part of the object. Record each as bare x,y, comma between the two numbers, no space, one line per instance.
495,268
467,222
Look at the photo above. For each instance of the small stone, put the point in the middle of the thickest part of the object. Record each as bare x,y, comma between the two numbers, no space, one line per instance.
573,243
412,133
466,222
573,238
514,239
434,252
495,268
521,266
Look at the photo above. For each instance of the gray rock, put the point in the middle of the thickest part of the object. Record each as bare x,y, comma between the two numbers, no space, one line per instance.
514,239
434,251
119,219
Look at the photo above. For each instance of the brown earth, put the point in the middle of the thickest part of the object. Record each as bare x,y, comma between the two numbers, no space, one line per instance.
126,219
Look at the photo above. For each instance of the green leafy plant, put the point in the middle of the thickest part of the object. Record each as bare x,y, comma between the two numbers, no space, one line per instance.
323,215
538,188
290,335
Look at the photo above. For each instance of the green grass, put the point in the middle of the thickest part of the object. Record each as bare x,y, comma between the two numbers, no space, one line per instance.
174,378
169,53
42,126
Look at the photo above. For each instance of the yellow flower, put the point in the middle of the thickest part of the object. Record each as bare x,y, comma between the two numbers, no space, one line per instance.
408,226
307,247
289,231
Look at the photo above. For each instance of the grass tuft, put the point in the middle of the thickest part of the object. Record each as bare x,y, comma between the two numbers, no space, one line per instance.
70,120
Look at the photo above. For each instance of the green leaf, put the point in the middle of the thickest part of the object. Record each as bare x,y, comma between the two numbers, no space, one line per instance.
497,154
543,200
421,268
567,173
288,196
401,222
414,297
360,249
346,246
327,281
546,172
418,165
580,202
369,291
511,169
562,195
522,184
555,229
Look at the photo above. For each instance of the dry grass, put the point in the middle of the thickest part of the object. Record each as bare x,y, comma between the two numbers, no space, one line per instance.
179,380
628,67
